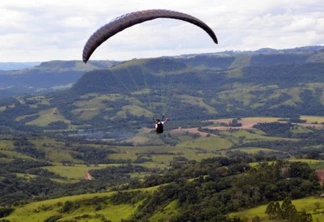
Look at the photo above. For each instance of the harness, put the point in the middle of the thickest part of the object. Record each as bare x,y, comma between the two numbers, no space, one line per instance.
159,128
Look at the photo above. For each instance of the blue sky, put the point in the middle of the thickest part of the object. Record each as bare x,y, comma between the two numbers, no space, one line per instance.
43,30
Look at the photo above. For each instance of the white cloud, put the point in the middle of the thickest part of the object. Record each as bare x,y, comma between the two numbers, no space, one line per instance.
41,30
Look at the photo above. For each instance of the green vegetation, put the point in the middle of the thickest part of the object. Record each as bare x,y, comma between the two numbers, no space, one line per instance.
207,143
74,166
46,117
287,211
187,191
190,88
75,172
90,206
311,205
244,131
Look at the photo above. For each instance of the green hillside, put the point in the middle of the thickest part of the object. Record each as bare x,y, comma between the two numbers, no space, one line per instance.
46,77
87,207
245,129
208,190
187,89
312,205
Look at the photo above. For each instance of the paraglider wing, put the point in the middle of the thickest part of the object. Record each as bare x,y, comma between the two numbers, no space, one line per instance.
128,20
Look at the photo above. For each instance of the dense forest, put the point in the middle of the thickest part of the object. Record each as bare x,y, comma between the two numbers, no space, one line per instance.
204,191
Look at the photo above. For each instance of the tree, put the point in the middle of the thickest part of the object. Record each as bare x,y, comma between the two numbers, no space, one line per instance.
235,123
287,211
271,210
285,208
256,219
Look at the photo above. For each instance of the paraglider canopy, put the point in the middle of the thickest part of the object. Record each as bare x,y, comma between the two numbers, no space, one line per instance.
133,18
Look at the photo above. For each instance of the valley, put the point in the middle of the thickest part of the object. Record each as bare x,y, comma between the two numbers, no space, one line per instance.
245,130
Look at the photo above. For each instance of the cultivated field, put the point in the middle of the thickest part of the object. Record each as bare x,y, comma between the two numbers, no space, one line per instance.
249,122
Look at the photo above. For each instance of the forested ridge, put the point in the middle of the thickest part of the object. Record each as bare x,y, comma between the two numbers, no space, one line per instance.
203,191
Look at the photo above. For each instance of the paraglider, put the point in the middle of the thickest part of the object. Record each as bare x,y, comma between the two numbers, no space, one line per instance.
133,18
125,21
159,125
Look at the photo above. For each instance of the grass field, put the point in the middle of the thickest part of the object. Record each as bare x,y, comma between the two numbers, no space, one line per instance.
59,155
162,155
311,119
134,110
240,61
213,143
40,211
86,114
242,94
97,101
261,119
6,144
55,151
14,155
199,102
168,211
75,172
247,136
87,109
41,100
48,116
249,122
307,204
314,164
253,150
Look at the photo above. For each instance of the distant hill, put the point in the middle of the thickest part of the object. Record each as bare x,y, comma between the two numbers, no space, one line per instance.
17,65
261,57
121,98
34,77
45,76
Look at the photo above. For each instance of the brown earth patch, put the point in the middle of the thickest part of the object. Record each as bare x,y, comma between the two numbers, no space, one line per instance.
189,130
320,175
246,124
88,176
249,123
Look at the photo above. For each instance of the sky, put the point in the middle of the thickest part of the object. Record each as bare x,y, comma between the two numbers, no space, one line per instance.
45,30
